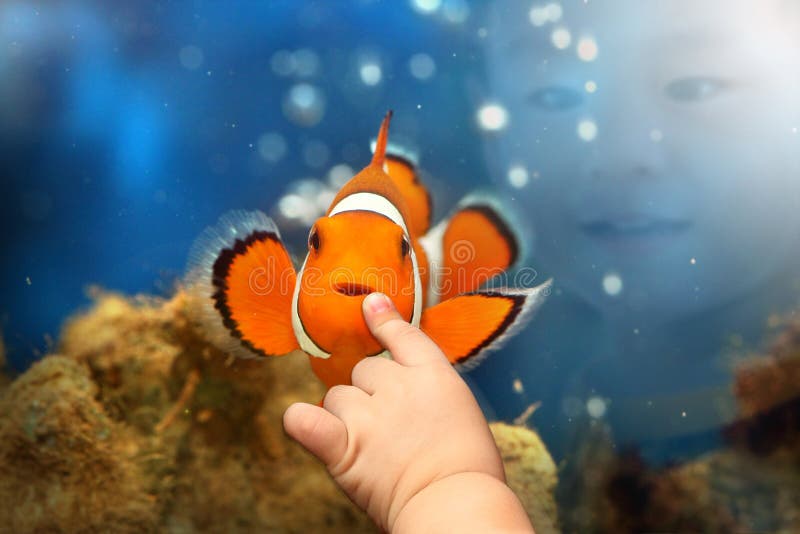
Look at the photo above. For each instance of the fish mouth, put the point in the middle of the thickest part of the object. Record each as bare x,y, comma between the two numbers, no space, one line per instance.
633,227
351,289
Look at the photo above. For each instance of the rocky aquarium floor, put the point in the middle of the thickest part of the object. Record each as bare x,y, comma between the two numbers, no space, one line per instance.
137,425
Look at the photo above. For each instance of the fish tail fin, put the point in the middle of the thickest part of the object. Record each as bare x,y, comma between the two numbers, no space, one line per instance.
470,326
240,281
383,138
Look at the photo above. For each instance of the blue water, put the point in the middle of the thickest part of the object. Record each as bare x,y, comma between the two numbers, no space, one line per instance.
115,155
649,161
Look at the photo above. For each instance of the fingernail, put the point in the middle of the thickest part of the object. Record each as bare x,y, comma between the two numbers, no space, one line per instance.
377,302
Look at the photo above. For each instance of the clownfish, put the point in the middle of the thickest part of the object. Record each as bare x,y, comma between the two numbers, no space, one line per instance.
375,236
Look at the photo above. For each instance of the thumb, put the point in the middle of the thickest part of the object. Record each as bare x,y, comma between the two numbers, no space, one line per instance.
408,344
318,430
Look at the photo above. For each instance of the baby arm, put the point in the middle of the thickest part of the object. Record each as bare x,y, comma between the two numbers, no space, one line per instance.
407,441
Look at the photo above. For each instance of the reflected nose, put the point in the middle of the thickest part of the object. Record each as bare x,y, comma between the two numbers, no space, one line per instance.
629,145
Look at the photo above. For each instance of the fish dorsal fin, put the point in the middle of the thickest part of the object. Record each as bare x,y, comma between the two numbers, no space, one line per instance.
401,168
402,188
383,138
374,179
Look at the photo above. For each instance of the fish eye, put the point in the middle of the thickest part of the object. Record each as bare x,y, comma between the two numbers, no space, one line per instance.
694,88
405,247
313,239
556,98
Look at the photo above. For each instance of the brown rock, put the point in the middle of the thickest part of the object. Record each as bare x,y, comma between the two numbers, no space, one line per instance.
140,425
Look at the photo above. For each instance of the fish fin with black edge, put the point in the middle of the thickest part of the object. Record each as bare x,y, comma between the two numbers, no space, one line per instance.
470,326
471,247
241,280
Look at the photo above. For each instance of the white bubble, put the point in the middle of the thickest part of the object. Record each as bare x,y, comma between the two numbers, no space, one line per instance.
587,49
422,66
492,117
293,206
455,11
316,154
304,104
426,6
587,130
370,73
324,200
590,86
517,386
596,407
561,38
518,176
612,284
656,135
308,188
271,146
693,261
553,12
306,62
538,16
339,175
191,57
282,63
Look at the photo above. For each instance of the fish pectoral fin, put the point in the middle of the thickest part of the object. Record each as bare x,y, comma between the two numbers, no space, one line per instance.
474,245
240,280
468,327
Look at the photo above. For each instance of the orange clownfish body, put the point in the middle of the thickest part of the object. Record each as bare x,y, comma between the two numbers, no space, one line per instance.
374,237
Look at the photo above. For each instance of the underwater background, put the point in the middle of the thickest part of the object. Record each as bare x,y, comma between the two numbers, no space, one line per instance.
127,128
647,155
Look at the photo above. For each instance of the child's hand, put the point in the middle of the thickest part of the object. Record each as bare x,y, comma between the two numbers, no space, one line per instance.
407,441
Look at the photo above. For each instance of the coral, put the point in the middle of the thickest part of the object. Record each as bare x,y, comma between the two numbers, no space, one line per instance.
750,485
728,490
724,491
530,472
767,389
77,464
4,380
139,425
766,381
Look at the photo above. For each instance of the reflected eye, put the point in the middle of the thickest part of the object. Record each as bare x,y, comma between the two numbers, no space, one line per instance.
313,239
694,89
556,98
405,247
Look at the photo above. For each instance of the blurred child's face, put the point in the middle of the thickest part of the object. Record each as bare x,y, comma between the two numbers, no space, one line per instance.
665,171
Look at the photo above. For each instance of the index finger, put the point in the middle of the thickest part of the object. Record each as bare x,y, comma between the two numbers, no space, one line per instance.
408,344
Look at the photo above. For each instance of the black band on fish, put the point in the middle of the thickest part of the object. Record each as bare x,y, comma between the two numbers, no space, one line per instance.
219,281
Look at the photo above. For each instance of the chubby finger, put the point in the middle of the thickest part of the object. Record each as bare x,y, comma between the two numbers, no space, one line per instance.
323,434
408,344
340,400
370,372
